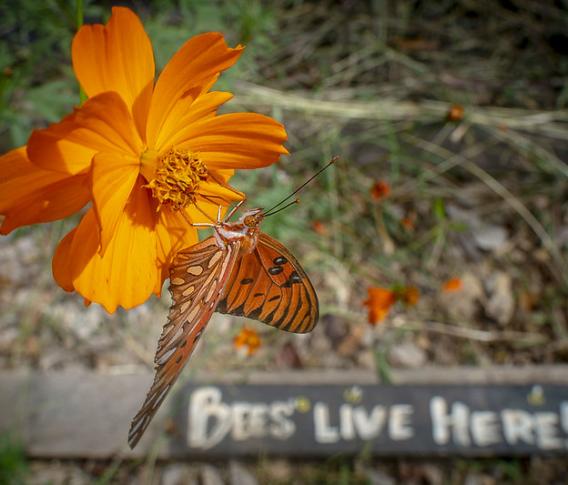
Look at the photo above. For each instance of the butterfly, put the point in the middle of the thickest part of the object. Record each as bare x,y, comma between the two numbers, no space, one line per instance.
238,271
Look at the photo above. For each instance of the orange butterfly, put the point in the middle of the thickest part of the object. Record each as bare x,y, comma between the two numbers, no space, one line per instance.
240,271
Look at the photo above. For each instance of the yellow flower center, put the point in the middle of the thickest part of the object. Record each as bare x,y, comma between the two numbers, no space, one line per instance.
177,179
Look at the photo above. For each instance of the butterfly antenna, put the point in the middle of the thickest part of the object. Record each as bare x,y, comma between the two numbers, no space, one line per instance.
331,162
295,201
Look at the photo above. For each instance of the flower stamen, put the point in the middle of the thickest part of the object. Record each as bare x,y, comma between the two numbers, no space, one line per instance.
177,179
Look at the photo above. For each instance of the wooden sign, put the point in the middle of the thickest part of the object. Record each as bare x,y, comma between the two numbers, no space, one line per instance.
70,415
381,420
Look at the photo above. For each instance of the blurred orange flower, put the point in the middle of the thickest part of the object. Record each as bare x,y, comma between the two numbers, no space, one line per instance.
248,340
409,221
380,190
456,112
379,303
319,228
147,156
453,284
409,295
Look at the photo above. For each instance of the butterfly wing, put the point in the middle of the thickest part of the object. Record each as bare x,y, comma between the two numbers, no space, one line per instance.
270,285
197,278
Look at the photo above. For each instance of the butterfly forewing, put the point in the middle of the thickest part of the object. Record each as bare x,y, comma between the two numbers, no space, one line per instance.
197,278
270,285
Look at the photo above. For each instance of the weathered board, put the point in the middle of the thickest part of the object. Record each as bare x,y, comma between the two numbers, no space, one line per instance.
88,415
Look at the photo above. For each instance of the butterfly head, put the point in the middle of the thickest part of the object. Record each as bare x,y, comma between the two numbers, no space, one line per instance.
252,217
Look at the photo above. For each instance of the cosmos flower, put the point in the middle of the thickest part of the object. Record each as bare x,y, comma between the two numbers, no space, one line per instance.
247,340
148,156
379,303
380,190
410,295
452,285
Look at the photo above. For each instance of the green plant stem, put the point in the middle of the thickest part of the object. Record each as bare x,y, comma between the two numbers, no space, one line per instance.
79,22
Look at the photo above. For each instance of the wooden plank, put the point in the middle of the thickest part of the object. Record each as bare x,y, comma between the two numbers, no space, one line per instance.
463,411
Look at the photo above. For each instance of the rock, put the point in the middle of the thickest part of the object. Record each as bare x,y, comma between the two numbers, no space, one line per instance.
239,475
55,358
463,305
177,474
487,236
42,473
19,260
432,474
407,354
378,477
501,303
82,322
490,237
366,360
210,475
335,329
281,470
478,479
8,337
340,282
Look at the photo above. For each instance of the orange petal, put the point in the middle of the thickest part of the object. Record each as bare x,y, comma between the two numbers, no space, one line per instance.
222,194
126,274
114,176
185,112
117,57
239,140
208,212
188,73
102,124
62,265
29,194
173,233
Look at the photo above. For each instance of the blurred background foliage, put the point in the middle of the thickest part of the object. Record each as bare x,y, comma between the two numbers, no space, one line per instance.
457,107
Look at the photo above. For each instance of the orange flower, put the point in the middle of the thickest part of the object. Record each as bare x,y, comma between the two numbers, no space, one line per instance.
380,190
409,221
319,228
453,284
248,340
409,295
456,112
379,303
148,156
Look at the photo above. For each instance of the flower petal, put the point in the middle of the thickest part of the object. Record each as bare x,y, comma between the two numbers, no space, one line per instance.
62,265
126,275
102,124
208,212
114,176
29,194
223,194
117,57
185,112
173,233
189,71
238,140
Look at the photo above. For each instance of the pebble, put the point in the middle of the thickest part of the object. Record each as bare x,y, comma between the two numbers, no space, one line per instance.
239,475
177,474
211,476
407,354
378,477
501,303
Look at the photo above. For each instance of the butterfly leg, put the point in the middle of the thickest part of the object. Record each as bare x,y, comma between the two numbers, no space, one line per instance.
233,210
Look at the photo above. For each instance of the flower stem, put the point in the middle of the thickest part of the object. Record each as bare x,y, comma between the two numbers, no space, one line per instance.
79,22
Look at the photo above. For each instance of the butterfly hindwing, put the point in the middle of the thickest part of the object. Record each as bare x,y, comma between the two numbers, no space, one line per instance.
197,278
270,285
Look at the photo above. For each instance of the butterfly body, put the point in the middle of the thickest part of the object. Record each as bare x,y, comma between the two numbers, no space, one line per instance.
239,271
245,231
